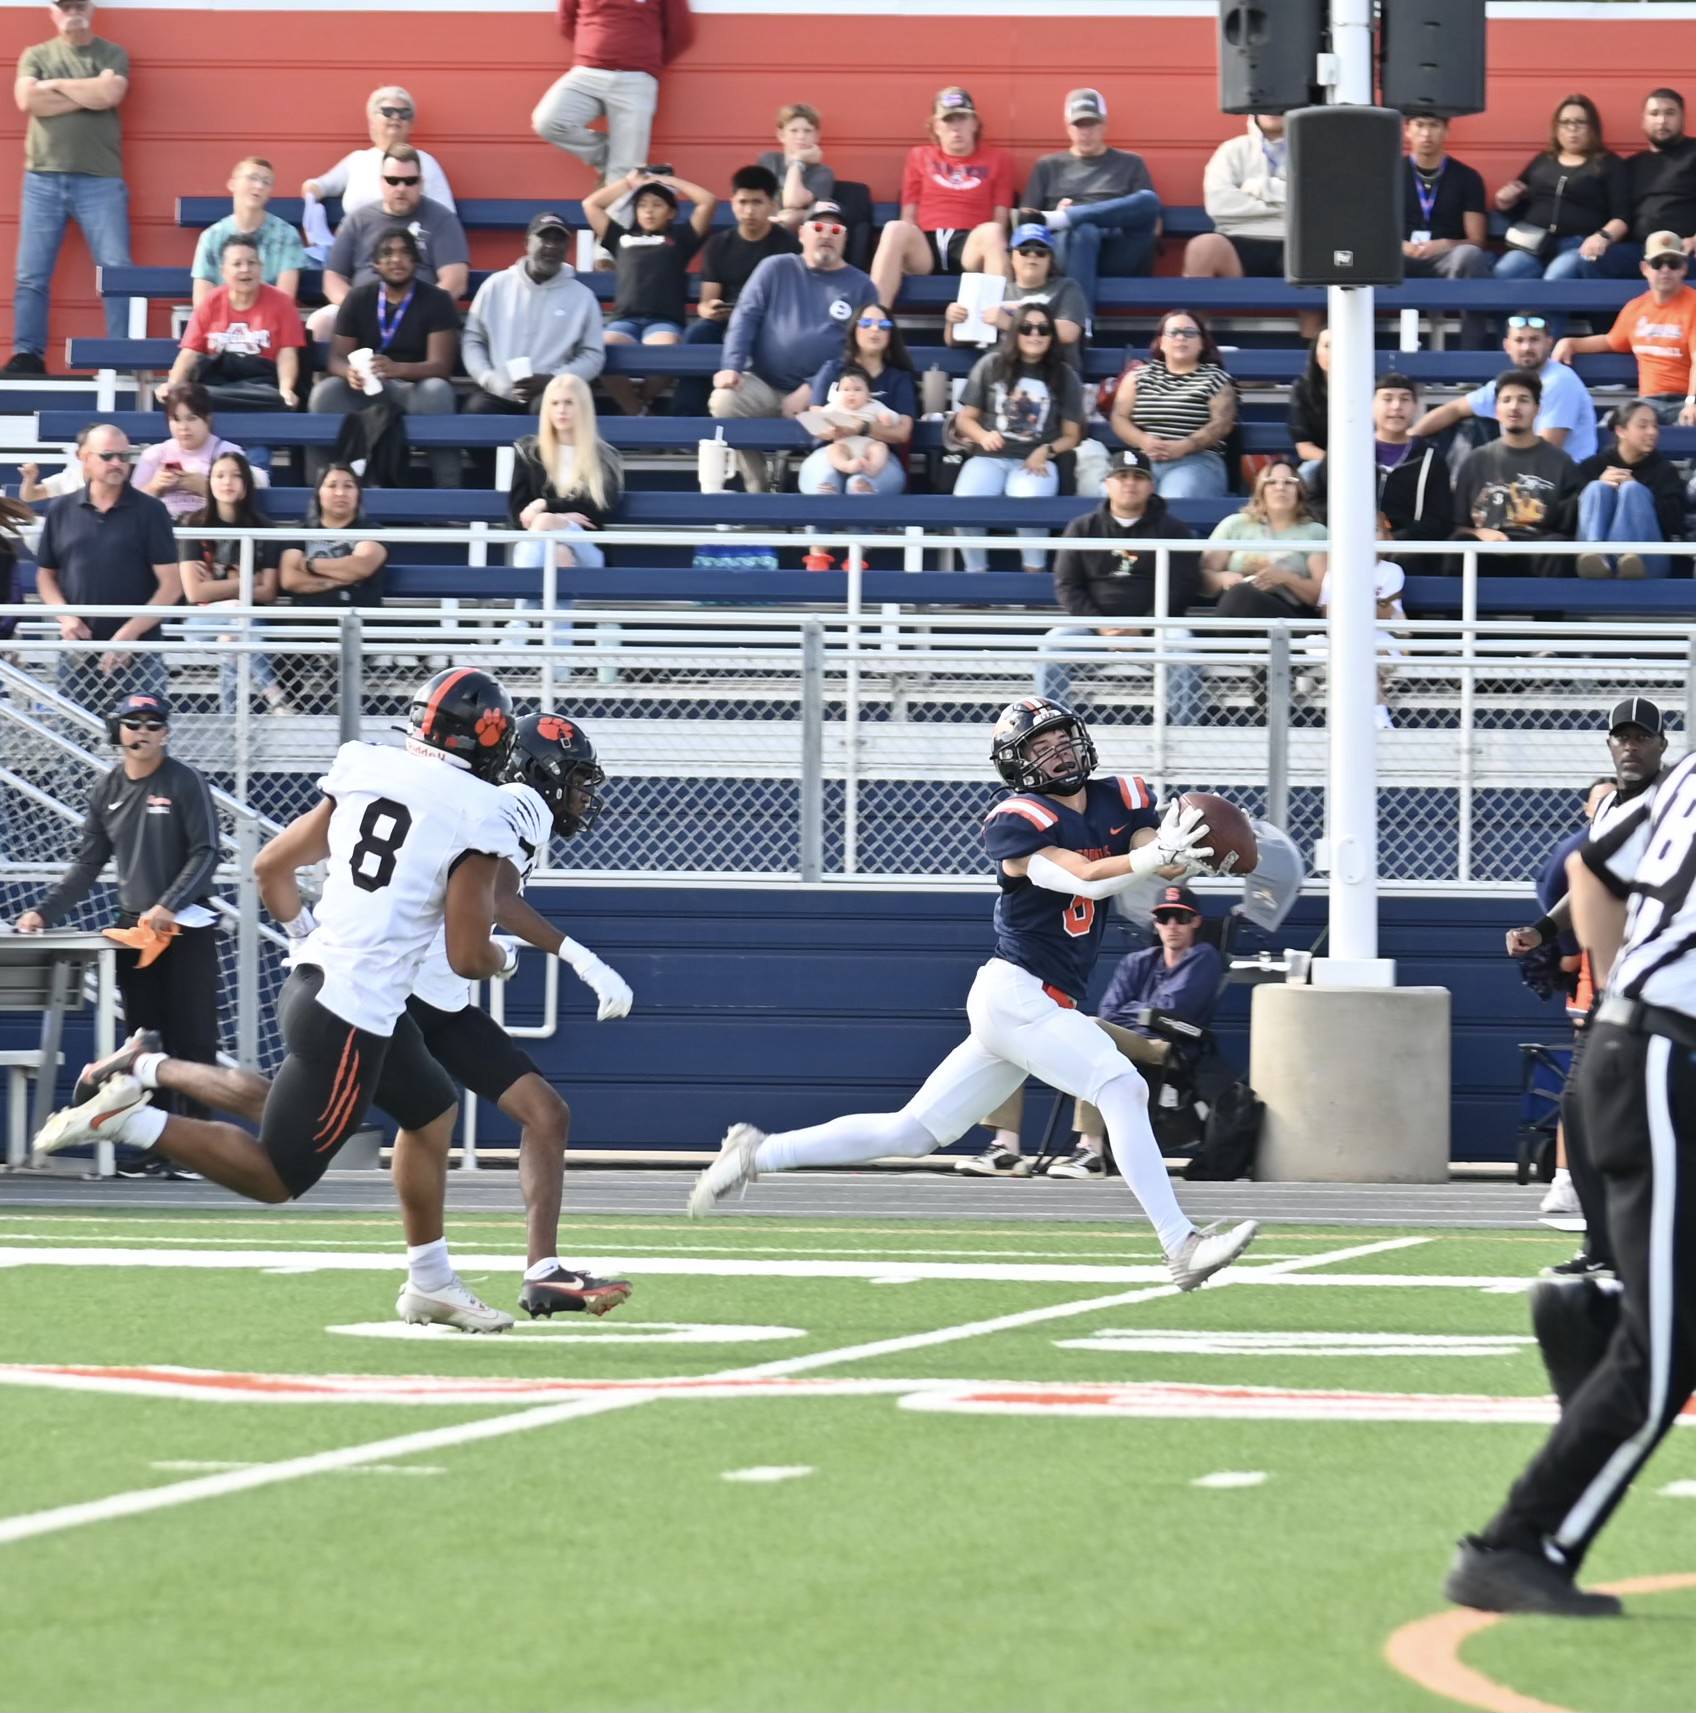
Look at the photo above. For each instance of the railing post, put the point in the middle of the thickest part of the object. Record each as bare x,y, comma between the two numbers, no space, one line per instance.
352,698
1468,758
1159,709
244,667
812,750
1690,690
247,943
1278,725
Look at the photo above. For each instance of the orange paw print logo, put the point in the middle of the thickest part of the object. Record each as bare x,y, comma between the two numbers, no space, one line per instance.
554,729
491,727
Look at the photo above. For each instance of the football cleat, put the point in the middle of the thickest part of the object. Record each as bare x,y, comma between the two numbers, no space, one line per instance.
565,1292
1509,1579
1080,1163
94,1120
733,1169
1583,1265
120,1063
453,1305
994,1163
1206,1251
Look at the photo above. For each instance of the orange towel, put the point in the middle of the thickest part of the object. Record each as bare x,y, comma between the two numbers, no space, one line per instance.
150,942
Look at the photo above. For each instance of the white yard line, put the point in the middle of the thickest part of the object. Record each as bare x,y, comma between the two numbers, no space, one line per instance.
172,1494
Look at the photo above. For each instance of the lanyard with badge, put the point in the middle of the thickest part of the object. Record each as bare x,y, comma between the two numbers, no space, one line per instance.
389,325
1427,195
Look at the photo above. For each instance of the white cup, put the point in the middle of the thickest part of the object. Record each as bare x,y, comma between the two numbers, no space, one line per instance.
519,368
712,461
360,362
585,263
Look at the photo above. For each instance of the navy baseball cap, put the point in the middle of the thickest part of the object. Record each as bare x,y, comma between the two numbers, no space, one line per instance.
1637,711
547,222
1175,901
139,705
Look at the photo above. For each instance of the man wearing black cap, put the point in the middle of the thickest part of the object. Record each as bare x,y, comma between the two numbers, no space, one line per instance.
1108,577
153,816
1627,1365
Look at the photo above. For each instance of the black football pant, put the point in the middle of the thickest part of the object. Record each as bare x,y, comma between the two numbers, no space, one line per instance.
1586,1180
177,994
1639,1096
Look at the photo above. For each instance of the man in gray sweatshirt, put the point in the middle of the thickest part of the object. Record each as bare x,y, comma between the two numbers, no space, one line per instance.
791,317
537,312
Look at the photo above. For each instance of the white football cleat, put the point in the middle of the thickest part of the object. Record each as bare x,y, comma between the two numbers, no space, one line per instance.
453,1305
733,1169
96,1120
1206,1251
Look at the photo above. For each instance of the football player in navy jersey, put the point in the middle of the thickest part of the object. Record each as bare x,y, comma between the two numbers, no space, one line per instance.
1062,843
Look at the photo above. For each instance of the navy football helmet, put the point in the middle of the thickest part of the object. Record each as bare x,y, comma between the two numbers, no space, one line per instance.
1018,724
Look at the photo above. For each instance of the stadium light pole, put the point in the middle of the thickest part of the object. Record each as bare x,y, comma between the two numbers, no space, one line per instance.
1352,694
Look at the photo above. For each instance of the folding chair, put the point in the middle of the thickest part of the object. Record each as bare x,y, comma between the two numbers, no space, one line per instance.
1543,1070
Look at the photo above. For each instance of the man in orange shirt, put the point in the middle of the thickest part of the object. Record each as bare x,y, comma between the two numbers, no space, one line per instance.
1658,328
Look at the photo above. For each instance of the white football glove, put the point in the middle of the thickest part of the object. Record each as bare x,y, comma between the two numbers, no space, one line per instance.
1177,843
608,986
509,948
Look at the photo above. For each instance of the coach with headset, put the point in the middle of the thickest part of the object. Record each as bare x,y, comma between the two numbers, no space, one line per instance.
153,816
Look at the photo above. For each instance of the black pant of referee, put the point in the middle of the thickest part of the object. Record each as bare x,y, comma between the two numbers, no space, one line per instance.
177,994
1638,1089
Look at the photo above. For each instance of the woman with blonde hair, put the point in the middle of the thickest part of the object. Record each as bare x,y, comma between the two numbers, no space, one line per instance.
1280,585
566,480
357,177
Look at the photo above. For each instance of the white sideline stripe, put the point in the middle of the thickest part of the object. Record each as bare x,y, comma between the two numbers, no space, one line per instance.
1679,1490
138,1503
185,1463
769,1472
1232,1478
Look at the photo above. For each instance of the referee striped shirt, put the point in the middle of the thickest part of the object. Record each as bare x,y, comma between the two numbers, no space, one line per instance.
1176,406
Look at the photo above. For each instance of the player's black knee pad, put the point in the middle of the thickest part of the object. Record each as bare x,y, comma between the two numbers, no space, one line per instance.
1573,1320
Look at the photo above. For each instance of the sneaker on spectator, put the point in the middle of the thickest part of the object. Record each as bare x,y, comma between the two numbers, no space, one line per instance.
1560,1197
994,1163
1080,1163
24,363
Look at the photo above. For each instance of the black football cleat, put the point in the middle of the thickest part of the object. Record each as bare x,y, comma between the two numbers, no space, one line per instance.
564,1292
1509,1579
118,1064
1574,1319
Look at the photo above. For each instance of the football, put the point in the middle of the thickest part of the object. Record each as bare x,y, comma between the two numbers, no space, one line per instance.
1235,849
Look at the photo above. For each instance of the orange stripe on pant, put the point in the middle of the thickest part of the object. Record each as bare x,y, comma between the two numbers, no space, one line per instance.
1060,996
336,1085
344,1110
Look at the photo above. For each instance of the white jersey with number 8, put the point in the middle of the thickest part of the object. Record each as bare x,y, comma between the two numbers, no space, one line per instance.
532,827
400,825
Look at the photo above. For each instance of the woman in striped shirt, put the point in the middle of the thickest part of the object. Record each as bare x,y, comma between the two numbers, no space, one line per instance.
1179,408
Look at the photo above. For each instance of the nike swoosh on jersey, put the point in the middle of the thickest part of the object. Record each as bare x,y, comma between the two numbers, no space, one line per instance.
1112,830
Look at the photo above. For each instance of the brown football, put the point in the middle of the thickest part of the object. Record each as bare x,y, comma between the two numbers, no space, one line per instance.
1235,849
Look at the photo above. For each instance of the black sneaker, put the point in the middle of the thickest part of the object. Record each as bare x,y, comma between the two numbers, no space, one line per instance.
1508,1579
1582,1266
1080,1163
153,1164
24,363
120,1063
563,1292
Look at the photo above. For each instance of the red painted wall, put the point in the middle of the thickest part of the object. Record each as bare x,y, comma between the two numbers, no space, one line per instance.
209,87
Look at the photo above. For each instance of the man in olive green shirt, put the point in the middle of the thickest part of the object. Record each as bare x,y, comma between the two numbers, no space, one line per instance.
71,88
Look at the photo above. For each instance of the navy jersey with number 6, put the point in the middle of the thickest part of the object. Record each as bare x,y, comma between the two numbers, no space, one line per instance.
1054,937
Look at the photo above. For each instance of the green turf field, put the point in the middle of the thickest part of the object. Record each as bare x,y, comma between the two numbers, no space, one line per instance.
810,1464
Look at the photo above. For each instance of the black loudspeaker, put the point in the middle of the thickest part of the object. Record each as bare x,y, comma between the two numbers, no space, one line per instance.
1433,56
1345,196
1267,50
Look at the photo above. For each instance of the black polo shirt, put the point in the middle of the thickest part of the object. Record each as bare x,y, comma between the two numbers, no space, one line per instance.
106,558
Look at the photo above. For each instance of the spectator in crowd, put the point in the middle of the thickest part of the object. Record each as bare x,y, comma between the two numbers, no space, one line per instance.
618,52
1179,407
956,191
727,260
1023,407
109,544
1035,278
177,470
1414,496
1181,975
211,570
152,816
1564,200
1661,186
874,345
652,255
243,343
408,331
1517,488
1252,584
1630,493
1566,418
1658,328
357,178
797,164
1108,578
33,487
789,319
331,570
281,253
444,258
1310,407
528,323
1444,222
1099,203
854,459
70,88
566,480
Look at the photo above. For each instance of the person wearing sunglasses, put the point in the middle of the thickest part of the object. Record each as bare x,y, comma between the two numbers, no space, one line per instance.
444,257
1179,407
1659,328
1035,277
874,345
357,178
1565,417
1023,407
789,319
1567,201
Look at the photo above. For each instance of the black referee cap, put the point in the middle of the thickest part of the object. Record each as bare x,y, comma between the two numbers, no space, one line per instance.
1637,711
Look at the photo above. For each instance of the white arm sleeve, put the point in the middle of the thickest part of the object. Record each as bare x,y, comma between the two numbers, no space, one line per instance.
1047,873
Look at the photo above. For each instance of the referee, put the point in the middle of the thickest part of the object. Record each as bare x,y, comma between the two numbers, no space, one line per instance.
1634,911
153,816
